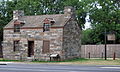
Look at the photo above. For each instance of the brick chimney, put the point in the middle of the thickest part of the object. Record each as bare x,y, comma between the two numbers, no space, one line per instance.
69,11
17,14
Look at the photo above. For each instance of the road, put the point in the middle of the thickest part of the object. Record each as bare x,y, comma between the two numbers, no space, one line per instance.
17,67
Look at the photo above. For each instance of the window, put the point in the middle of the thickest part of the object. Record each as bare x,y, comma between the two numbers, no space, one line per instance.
16,46
46,27
16,27
46,47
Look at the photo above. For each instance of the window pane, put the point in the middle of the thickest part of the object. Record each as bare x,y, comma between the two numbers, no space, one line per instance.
46,27
16,28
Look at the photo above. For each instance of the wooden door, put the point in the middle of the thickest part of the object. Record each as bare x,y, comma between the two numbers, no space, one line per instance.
30,48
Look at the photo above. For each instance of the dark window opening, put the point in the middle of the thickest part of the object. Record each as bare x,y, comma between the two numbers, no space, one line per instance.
16,46
52,22
17,28
46,27
22,23
46,46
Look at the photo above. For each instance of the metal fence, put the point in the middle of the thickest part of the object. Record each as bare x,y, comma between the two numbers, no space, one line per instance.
98,51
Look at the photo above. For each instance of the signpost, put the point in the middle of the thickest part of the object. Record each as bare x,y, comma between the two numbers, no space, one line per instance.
105,45
109,37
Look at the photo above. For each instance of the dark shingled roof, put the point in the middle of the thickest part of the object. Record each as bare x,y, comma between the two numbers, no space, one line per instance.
37,21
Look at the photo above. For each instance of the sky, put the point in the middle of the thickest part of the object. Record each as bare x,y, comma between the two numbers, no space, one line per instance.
87,24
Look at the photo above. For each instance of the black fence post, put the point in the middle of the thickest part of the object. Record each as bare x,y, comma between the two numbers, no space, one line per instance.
114,56
102,55
89,55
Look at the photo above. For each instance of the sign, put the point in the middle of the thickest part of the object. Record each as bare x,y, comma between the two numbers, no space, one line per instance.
111,37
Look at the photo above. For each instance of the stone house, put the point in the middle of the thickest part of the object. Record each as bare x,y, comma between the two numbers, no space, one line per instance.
42,37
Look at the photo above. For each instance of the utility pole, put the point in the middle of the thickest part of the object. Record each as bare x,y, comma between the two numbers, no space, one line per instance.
105,45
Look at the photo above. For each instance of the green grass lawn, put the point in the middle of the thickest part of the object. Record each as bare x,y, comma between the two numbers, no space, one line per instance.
96,62
80,61
83,61
1,59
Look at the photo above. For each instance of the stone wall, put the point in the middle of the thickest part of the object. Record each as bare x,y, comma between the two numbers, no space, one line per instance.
36,35
72,40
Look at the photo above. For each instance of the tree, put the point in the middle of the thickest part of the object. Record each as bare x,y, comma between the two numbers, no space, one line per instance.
105,14
86,37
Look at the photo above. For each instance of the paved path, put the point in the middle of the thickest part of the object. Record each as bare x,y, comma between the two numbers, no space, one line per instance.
18,67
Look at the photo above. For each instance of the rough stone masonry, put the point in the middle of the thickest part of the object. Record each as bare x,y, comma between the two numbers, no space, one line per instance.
42,37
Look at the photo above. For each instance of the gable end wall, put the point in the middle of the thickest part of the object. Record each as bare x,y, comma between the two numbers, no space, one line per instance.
72,40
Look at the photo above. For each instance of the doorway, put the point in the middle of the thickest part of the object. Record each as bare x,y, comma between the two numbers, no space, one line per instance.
30,48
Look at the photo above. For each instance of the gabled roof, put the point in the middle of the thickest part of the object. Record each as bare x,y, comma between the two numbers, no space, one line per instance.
37,21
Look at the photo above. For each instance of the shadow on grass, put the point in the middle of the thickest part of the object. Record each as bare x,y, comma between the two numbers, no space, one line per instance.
71,60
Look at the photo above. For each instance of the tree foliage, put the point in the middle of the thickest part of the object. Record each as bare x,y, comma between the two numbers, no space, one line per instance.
104,14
